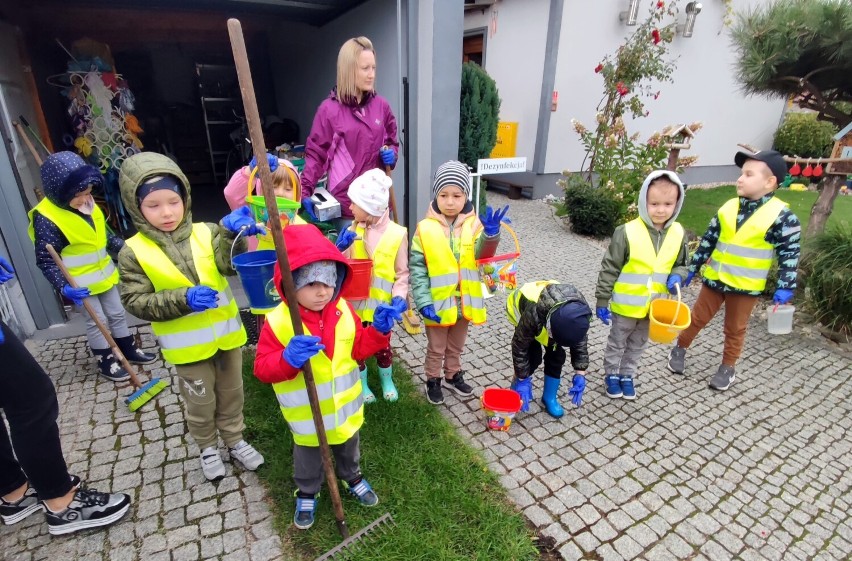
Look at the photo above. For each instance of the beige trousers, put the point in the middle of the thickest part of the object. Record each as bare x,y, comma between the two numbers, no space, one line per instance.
444,348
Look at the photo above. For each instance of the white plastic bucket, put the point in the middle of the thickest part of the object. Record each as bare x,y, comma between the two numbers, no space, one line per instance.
779,319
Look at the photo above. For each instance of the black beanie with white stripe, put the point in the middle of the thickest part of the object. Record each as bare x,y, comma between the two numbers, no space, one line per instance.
451,173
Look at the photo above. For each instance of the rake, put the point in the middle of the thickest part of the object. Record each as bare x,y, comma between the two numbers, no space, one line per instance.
238,46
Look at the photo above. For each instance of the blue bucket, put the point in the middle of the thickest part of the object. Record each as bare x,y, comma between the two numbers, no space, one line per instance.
255,269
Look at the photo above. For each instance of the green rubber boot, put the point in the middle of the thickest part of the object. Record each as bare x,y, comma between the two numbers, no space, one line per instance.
388,389
368,393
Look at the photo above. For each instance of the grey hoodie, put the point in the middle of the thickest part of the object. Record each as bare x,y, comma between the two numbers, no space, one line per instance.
618,252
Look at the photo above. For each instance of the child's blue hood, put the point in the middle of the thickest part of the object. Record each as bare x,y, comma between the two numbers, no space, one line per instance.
65,174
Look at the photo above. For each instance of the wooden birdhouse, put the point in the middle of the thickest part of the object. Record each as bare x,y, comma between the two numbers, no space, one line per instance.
842,149
677,138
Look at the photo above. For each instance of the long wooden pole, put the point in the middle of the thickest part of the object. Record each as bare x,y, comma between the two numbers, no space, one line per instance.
238,45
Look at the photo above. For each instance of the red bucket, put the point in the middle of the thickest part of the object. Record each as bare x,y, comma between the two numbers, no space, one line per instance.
500,406
359,287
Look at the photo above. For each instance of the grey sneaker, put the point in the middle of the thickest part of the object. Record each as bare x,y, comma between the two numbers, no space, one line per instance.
88,509
211,464
677,360
245,453
723,378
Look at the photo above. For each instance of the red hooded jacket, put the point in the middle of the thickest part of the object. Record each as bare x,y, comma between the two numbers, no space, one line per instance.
306,244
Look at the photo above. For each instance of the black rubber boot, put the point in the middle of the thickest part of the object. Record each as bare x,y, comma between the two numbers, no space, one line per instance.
132,353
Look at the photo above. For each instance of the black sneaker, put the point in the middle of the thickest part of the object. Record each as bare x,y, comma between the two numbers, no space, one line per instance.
109,366
88,509
433,391
14,512
458,385
132,353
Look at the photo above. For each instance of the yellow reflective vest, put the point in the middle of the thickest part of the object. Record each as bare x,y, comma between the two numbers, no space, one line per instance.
384,268
446,275
742,257
85,256
338,383
644,276
199,335
531,291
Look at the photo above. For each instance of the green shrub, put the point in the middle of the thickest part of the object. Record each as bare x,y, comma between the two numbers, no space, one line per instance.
826,269
802,135
479,113
593,212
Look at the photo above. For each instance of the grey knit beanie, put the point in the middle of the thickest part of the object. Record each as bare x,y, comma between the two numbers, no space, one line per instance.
451,173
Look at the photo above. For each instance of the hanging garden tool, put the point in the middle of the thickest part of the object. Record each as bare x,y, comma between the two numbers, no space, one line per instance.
143,394
410,320
238,47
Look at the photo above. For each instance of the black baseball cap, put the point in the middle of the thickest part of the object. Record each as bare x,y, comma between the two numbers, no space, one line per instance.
771,158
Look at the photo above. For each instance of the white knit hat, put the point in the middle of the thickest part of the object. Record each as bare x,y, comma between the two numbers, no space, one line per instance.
371,191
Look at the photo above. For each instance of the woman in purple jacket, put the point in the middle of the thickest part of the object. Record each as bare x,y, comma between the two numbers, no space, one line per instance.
354,130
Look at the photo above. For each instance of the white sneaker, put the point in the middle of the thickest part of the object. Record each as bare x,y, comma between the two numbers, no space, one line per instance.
245,453
211,464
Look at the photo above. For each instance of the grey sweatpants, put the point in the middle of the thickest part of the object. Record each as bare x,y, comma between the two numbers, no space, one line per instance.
110,312
628,338
308,472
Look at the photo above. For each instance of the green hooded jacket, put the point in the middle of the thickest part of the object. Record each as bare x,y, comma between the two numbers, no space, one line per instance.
136,289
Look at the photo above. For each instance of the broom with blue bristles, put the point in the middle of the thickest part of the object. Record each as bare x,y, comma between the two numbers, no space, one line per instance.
142,394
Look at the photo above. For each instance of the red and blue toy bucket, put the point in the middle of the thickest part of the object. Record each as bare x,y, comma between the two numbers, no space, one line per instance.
500,406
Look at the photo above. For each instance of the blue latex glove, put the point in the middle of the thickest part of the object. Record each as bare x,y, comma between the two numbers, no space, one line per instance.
384,317
76,295
201,298
301,349
603,314
345,239
388,156
243,220
270,159
310,207
782,296
673,280
428,312
491,220
7,273
399,304
577,389
524,389
687,280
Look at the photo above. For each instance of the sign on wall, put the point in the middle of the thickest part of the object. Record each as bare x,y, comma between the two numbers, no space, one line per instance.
501,165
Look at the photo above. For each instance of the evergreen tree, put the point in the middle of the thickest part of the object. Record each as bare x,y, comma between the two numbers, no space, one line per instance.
480,111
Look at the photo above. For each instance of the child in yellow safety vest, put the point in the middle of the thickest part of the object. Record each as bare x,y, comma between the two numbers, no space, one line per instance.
173,275
445,280
333,343
738,248
69,220
385,243
646,258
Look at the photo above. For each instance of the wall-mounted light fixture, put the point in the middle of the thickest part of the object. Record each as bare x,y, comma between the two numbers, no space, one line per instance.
629,17
692,10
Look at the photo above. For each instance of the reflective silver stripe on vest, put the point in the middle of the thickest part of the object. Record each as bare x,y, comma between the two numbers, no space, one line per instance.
330,421
473,301
743,251
382,284
84,259
202,336
445,304
369,304
745,272
659,278
325,391
470,275
441,281
628,299
639,279
92,278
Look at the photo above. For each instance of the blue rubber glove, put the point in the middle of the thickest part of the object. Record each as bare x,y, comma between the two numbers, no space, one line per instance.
782,296
243,220
524,389
674,279
688,279
7,273
388,156
76,295
577,389
345,239
428,312
399,304
201,298
603,314
310,208
270,159
301,349
491,220
384,317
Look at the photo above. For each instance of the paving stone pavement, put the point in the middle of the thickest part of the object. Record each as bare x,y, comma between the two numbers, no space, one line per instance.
761,471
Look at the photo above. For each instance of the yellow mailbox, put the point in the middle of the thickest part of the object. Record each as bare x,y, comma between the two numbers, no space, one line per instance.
507,139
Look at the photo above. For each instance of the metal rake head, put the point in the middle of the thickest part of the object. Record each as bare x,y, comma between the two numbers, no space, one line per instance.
348,548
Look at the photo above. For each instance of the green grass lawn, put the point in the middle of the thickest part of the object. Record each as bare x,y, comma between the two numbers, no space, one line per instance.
446,504
701,204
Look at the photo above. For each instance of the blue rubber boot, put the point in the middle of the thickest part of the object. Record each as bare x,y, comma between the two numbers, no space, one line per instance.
369,397
548,397
388,389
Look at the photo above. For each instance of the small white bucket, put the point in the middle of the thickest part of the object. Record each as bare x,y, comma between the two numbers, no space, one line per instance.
779,319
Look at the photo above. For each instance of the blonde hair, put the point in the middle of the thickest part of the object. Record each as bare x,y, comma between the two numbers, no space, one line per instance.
347,63
285,176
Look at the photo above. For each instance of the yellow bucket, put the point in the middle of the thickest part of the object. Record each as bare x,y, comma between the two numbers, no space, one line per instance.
668,318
